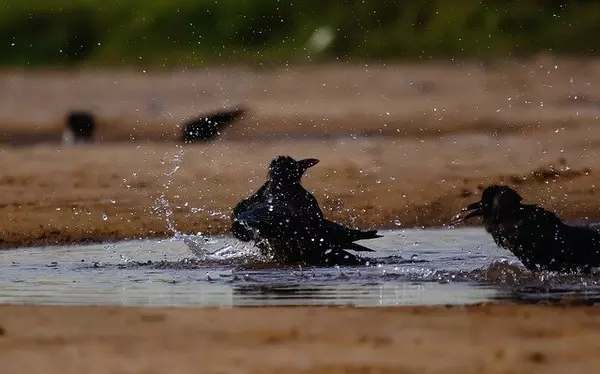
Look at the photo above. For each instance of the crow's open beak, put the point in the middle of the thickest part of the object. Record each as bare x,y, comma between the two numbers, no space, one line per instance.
308,162
475,210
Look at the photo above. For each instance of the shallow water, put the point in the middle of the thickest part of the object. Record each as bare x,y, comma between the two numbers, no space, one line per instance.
417,267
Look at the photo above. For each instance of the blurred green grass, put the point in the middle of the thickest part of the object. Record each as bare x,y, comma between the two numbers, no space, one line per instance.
184,32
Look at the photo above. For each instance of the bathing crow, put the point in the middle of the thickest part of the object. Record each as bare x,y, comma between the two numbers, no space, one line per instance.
282,187
209,125
537,237
286,237
288,224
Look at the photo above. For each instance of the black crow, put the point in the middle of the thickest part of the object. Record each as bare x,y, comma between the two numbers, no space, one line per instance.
80,126
207,126
537,237
282,187
287,219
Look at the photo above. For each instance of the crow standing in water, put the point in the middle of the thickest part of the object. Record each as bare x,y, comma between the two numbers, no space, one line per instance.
537,237
288,224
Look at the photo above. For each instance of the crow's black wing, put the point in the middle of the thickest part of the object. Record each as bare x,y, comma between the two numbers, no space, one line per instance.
240,231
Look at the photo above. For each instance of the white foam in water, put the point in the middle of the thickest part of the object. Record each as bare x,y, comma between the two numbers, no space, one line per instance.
458,266
216,248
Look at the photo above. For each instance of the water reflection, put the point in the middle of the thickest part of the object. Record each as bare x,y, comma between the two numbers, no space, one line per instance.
546,295
385,294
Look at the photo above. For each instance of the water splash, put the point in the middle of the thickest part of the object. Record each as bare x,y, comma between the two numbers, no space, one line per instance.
216,249
211,213
162,205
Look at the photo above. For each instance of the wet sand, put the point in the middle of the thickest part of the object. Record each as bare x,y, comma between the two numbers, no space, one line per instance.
400,145
474,339
51,195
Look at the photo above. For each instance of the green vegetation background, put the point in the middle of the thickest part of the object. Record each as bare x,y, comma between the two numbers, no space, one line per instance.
185,32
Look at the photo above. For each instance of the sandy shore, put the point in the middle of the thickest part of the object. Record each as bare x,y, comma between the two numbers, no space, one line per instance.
400,145
474,339
107,191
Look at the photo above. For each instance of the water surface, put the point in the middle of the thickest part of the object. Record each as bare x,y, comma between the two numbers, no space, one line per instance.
417,267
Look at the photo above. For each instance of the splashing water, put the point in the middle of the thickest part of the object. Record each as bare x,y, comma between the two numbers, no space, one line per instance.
203,247
162,205
211,213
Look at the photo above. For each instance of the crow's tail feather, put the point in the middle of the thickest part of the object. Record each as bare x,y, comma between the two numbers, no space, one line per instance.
358,248
370,234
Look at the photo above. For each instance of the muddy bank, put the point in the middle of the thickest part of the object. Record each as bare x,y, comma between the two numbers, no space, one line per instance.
55,195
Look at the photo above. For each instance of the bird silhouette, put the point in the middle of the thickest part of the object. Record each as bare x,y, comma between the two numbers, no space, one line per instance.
208,126
288,225
80,127
536,236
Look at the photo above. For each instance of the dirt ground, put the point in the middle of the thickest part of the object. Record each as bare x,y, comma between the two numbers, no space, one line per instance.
475,339
400,145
